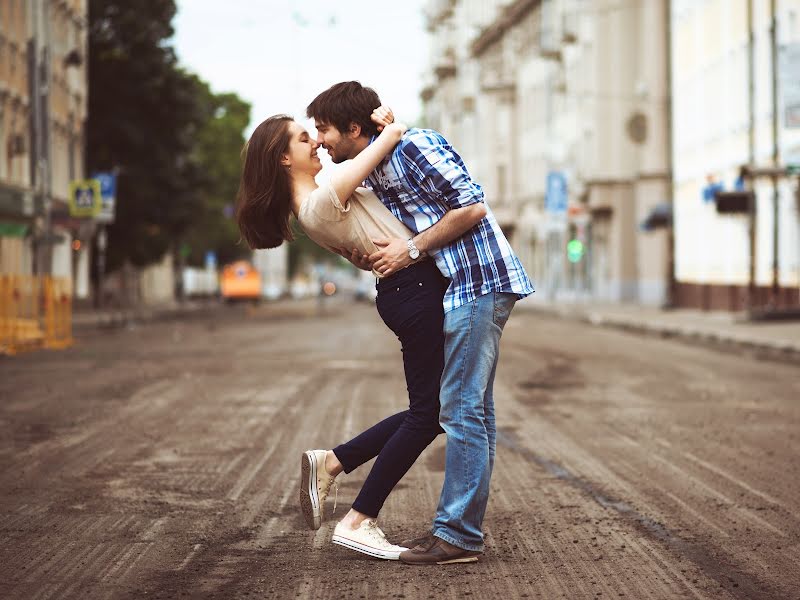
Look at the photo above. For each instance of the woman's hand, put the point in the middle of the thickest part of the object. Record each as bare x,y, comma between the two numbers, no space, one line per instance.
352,174
382,116
399,128
360,261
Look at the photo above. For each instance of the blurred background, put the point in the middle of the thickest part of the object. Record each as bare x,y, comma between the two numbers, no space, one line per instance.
634,151
643,158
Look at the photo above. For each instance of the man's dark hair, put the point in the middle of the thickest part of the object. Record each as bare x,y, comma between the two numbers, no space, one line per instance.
345,103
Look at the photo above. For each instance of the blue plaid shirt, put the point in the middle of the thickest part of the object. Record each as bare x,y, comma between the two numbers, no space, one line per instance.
419,182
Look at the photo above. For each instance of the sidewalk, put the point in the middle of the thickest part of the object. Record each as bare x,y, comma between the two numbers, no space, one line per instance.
775,339
89,318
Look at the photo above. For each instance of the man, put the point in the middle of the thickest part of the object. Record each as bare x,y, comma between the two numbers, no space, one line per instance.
427,186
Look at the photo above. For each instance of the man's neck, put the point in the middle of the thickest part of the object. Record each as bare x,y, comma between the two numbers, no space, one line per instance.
360,143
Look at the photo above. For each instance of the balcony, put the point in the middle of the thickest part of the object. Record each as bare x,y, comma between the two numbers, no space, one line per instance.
445,65
437,12
507,18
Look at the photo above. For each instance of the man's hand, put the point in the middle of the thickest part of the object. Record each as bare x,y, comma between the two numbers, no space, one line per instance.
391,257
360,261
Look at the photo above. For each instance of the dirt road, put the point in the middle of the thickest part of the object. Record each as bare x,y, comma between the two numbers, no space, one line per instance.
162,461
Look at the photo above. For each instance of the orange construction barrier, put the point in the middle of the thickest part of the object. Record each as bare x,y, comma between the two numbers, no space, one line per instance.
58,312
35,312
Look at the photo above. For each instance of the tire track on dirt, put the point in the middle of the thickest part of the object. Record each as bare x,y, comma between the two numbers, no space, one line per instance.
747,587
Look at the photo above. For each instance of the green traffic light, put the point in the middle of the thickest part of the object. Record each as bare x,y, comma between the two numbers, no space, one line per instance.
574,250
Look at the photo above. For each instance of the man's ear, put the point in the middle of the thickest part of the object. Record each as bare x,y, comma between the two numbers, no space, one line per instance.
354,131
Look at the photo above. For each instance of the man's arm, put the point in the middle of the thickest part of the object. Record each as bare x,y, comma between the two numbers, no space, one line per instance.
432,167
393,254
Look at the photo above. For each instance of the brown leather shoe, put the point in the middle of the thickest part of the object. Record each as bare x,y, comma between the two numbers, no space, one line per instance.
417,541
436,551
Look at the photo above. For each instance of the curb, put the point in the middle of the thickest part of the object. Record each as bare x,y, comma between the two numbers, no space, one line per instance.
766,349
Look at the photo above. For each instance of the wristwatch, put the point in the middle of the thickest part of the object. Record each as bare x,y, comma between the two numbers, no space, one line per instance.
413,251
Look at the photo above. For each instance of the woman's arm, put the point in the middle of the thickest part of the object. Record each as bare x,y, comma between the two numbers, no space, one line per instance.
353,172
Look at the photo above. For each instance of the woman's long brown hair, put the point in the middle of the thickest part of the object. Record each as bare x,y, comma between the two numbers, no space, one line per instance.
265,189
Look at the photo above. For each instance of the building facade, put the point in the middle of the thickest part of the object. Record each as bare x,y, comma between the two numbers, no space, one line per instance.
43,111
570,91
593,125
729,110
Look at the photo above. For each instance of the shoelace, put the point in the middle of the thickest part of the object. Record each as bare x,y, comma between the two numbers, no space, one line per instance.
331,482
335,493
428,544
377,534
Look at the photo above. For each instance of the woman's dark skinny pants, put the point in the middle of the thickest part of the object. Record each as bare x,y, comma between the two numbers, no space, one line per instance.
410,303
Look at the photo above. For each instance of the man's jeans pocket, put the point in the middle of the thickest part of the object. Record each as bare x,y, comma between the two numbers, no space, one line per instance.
503,303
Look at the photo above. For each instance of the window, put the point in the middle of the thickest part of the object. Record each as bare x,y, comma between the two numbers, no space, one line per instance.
791,29
72,141
3,173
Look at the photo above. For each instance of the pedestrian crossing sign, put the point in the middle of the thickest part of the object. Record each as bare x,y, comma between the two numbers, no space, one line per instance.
85,199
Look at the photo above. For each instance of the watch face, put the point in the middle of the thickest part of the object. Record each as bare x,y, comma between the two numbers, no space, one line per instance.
413,253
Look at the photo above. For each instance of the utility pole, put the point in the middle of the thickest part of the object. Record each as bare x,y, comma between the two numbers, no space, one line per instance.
776,153
671,300
751,154
39,81
102,244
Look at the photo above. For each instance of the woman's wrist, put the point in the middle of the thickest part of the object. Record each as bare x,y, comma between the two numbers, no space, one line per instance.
396,130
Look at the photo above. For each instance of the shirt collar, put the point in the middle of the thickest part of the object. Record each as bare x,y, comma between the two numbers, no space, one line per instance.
385,159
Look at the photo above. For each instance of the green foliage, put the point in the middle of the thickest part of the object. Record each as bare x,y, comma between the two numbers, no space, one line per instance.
174,143
217,150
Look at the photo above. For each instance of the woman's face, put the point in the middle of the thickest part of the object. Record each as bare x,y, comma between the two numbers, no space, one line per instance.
302,154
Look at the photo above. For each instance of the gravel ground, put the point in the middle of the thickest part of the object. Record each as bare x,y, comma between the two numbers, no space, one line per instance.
162,461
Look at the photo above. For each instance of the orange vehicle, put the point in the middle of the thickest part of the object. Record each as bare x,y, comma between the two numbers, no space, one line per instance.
240,281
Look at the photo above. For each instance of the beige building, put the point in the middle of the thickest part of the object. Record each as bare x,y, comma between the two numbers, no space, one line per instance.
42,143
578,89
635,109
725,115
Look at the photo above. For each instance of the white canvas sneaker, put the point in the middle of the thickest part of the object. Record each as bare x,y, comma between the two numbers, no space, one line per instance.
367,539
315,484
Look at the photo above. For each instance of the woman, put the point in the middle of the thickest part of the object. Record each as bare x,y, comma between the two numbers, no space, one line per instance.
278,181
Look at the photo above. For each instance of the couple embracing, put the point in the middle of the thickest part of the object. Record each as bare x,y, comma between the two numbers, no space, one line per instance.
403,205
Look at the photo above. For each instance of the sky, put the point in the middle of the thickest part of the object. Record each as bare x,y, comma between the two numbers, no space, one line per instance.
278,55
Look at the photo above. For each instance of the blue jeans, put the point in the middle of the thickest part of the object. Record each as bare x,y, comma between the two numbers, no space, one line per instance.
472,344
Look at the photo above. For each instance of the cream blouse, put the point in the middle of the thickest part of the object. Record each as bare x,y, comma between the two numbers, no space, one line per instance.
362,218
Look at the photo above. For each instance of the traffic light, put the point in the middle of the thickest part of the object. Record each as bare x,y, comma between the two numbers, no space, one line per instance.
575,250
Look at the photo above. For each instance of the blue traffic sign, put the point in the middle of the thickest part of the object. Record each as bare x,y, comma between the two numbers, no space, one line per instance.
555,200
108,192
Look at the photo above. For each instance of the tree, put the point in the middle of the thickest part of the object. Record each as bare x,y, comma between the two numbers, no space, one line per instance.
143,117
218,145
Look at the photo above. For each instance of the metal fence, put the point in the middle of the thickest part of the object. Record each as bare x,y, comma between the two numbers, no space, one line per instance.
35,312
